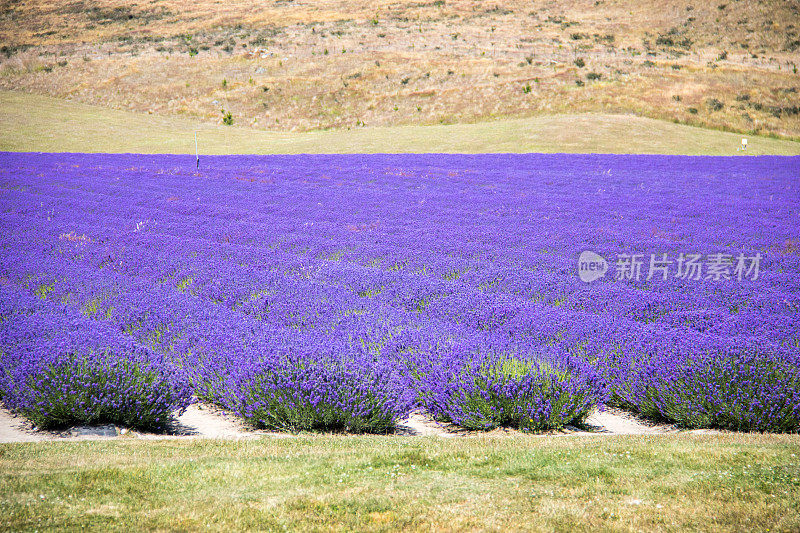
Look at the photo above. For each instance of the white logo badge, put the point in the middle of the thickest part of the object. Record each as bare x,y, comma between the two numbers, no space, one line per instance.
591,266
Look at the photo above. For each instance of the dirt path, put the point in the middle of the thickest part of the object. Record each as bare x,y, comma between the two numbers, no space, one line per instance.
209,422
16,429
205,421
421,425
611,421
614,421
199,421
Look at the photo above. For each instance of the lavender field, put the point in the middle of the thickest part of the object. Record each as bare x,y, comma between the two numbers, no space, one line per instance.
341,292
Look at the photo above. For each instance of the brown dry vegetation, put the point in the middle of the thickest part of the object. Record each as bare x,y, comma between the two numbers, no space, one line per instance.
302,65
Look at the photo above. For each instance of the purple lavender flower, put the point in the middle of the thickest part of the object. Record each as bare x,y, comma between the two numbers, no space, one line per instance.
340,291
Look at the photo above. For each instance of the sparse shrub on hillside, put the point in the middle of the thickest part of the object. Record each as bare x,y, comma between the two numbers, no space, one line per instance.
714,104
580,63
104,15
779,111
665,40
10,50
593,76
607,38
526,88
497,10
692,110
672,39
227,117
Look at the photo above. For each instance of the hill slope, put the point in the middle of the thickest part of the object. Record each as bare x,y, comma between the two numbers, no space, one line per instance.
302,65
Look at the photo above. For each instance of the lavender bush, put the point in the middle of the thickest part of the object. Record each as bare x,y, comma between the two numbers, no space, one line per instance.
303,393
96,388
486,391
60,370
742,390
332,291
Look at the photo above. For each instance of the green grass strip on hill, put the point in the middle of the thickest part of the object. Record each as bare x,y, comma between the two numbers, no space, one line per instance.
39,123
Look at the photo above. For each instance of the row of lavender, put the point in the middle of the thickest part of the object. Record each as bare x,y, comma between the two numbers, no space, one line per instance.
341,292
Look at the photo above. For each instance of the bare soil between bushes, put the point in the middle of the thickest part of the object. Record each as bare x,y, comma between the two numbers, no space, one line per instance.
201,421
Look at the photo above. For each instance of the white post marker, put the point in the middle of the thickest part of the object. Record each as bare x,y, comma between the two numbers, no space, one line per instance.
744,144
196,152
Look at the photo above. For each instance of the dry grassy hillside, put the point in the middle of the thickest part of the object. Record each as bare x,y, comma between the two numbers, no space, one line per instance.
300,65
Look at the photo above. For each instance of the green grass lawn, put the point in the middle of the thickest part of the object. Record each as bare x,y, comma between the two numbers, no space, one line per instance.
39,123
681,482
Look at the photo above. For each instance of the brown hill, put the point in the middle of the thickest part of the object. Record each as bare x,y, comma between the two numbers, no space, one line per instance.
300,65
